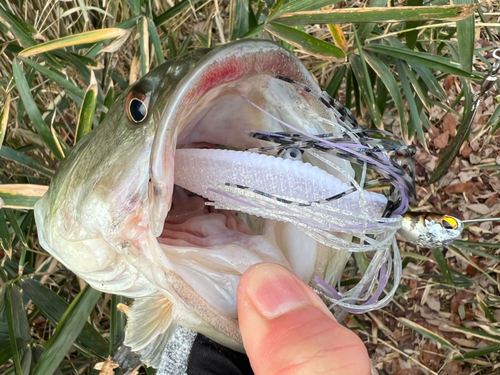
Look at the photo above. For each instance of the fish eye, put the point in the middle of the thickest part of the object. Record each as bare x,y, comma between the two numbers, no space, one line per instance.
137,107
293,154
449,222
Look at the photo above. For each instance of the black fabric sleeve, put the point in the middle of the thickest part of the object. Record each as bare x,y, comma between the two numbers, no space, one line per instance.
210,358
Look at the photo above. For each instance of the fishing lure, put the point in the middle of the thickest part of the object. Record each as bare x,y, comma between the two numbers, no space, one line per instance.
278,181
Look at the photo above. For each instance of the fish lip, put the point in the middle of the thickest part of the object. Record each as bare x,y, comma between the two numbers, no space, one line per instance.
252,55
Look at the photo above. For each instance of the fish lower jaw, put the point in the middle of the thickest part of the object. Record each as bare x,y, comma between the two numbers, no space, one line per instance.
210,248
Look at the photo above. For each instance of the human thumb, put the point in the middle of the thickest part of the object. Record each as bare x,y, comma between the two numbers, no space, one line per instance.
287,329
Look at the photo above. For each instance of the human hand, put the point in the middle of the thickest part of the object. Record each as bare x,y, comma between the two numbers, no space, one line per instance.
287,329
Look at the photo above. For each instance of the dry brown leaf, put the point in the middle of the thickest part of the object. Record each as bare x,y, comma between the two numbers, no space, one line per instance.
479,208
431,356
441,141
469,188
491,201
459,299
466,150
448,83
106,368
433,302
450,124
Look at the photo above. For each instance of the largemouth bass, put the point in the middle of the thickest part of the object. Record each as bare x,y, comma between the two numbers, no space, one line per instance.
176,232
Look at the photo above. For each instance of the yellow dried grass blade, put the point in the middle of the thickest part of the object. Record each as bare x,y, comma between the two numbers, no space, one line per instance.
337,34
73,40
339,37
4,117
144,45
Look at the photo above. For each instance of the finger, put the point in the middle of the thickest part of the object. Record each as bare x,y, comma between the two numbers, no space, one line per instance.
287,329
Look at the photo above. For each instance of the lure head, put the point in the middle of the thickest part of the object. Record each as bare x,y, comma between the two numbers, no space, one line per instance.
430,229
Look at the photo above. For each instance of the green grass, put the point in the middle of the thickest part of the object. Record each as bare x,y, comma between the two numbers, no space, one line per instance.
388,64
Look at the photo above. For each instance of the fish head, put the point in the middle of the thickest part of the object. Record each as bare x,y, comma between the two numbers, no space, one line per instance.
98,202
114,216
430,229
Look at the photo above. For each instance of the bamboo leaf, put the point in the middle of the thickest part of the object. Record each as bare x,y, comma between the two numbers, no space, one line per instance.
487,312
304,41
87,111
108,100
466,38
172,48
56,77
417,87
9,312
336,81
275,8
443,265
431,61
403,70
365,29
305,5
67,331
386,76
6,352
21,196
479,244
53,308
5,240
479,352
15,227
129,22
475,251
185,45
135,5
411,36
34,113
476,333
26,361
153,33
117,320
361,79
430,81
338,37
378,14
427,333
25,33
76,39
175,10
25,160
493,121
77,9
19,330
22,30
239,18
83,8
254,32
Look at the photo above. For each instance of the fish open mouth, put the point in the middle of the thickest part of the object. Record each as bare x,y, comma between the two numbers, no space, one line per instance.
211,235
212,247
